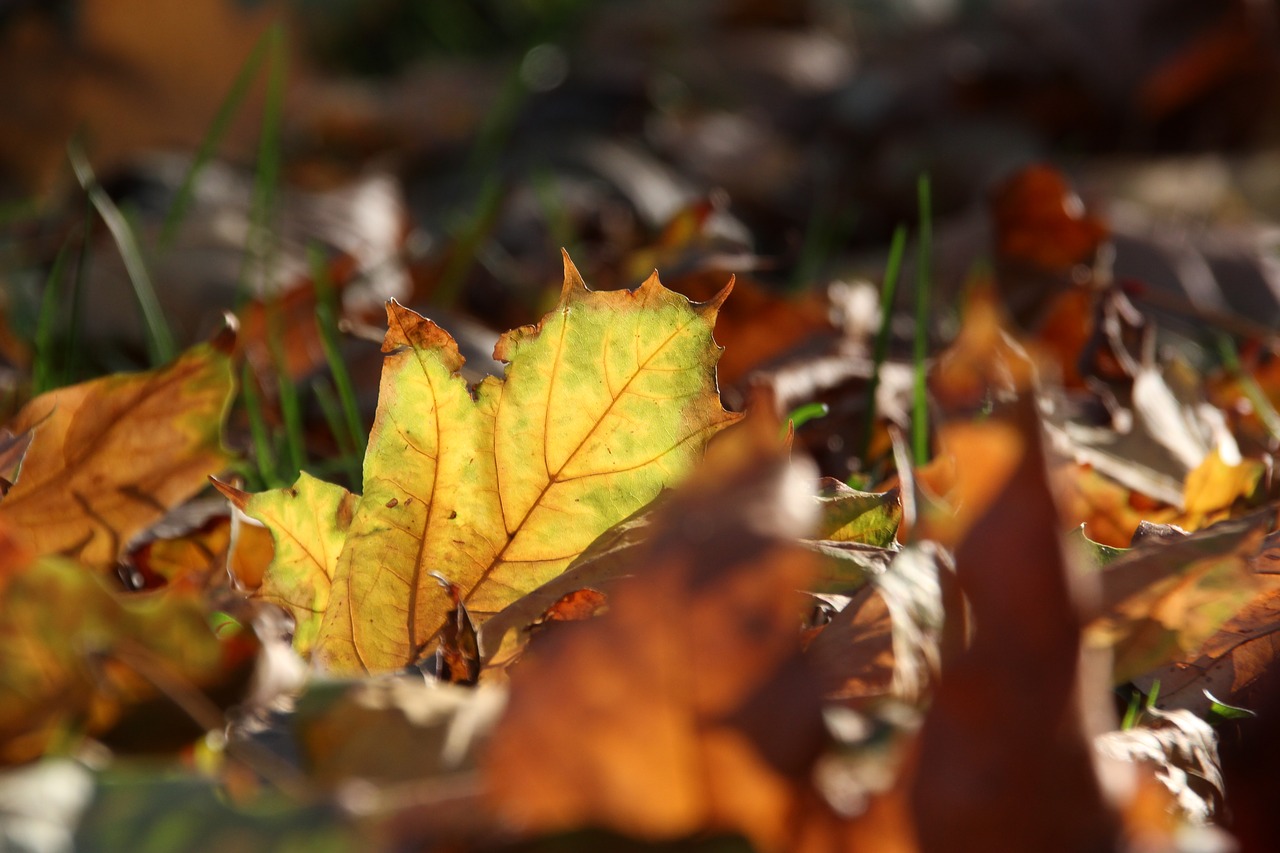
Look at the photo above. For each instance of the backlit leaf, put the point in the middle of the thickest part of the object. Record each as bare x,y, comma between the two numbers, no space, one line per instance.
308,522
499,488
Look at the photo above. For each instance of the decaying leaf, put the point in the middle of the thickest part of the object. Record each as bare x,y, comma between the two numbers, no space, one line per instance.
609,398
111,456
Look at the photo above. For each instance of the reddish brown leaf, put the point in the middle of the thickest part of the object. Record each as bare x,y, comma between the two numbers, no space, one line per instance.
457,658
1041,222
1004,763
574,607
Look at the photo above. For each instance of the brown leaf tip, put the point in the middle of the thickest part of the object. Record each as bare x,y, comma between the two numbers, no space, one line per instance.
407,328
573,282
237,497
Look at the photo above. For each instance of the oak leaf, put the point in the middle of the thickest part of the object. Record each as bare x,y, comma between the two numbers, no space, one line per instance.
608,399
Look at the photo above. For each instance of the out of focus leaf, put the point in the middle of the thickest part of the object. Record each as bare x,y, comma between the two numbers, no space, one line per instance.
74,656
687,707
1004,760
1041,222
1230,663
110,457
1214,485
1160,603
141,808
1183,749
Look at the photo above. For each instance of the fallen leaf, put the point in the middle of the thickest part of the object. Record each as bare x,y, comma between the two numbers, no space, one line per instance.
308,523
849,515
74,656
1183,752
109,457
576,606
609,398
687,708
1004,761
457,658
1230,664
1214,485
199,559
1161,602
1041,221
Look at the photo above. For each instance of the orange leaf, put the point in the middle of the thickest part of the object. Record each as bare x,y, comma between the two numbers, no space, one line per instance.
111,456
687,707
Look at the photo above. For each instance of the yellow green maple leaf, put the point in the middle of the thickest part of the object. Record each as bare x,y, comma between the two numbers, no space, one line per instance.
607,400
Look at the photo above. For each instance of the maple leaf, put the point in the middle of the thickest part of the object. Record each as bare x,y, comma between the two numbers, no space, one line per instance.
309,521
109,457
608,399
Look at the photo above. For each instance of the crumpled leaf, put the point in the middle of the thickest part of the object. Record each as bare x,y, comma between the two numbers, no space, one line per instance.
1183,749
111,456
1162,601
886,640
609,398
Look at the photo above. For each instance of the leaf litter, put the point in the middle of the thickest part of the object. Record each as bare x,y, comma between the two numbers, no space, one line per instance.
537,615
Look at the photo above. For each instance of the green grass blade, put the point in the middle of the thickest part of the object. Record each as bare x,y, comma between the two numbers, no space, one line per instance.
213,137
263,453
888,292
1252,390
350,460
267,177
71,353
44,374
801,415
924,277
327,322
160,341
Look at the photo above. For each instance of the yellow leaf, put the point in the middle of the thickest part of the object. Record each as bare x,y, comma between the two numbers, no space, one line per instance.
606,401
1214,485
